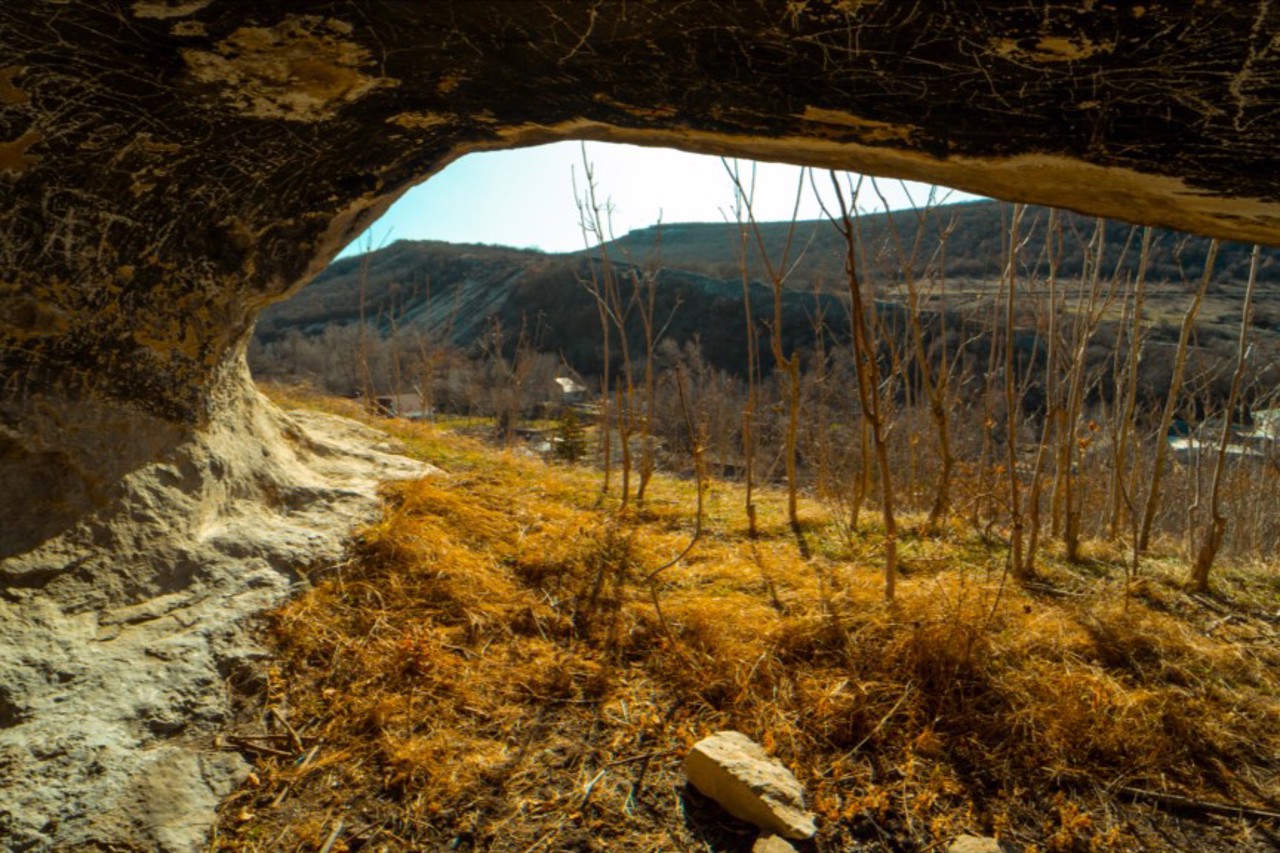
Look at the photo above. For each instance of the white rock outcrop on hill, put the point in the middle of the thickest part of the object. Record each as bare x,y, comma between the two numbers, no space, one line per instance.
737,773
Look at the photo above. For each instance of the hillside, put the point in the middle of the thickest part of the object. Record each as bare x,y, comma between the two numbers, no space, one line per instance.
974,249
453,291
454,295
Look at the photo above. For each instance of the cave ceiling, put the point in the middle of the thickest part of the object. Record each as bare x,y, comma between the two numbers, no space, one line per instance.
168,167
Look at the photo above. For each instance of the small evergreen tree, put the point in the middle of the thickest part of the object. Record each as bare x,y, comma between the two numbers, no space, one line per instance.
571,436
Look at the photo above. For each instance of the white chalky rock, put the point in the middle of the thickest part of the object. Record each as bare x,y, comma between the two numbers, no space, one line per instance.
737,773
771,844
974,844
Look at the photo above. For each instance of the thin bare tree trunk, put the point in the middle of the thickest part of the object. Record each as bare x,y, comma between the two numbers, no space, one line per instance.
778,275
935,386
589,214
1053,246
1124,415
867,368
1171,401
366,379
650,340
1012,403
1217,528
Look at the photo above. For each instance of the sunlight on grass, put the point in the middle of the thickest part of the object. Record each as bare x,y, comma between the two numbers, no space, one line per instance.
491,647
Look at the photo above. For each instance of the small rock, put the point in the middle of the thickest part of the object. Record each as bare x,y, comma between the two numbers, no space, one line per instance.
737,773
975,844
771,844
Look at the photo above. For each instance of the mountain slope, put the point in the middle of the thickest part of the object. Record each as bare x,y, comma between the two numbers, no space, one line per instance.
458,293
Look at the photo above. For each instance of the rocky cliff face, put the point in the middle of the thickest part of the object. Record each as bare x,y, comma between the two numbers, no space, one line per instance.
169,167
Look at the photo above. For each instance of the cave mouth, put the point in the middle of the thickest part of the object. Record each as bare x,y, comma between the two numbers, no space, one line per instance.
525,206
528,197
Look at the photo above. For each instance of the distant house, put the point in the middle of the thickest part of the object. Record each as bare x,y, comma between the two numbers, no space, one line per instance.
1254,441
1266,423
410,406
571,390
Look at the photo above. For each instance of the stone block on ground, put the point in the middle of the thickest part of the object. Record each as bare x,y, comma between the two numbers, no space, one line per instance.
974,844
772,844
747,782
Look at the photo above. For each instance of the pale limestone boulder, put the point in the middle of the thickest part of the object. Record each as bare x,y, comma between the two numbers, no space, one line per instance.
737,773
974,844
771,844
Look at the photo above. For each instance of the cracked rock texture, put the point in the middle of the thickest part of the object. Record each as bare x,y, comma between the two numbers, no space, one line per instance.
170,167
119,638
167,167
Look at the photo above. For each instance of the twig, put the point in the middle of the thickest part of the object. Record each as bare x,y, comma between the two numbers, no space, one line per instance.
896,705
1048,589
242,743
590,787
535,845
284,792
333,837
302,765
306,759
645,757
1177,801
1205,601
293,733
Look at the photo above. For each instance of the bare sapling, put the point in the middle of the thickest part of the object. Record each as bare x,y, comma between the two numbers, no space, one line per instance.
1171,400
619,310
987,486
646,294
1052,405
935,383
1091,304
1216,529
818,378
787,364
1126,396
591,218
867,369
860,474
1013,400
643,299
362,354
500,379
749,443
428,355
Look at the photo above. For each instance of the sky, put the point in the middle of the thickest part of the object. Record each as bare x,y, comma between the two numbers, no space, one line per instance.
525,197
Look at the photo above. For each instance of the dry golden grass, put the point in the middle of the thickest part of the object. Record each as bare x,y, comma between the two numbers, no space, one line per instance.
488,671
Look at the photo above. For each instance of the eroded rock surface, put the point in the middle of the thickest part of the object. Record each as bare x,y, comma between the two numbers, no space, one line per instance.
118,639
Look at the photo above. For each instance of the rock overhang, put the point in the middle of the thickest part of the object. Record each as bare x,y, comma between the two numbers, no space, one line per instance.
170,167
